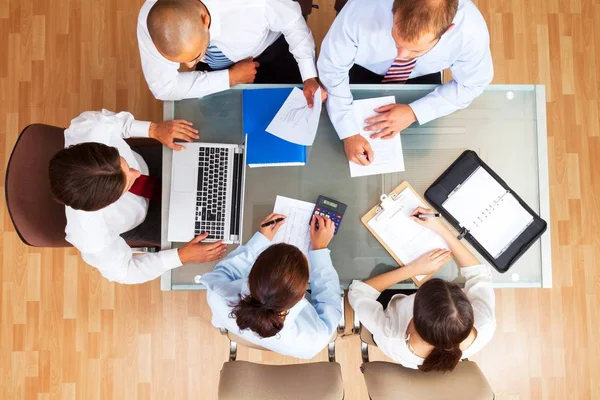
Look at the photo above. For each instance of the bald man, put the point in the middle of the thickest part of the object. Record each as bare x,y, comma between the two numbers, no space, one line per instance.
227,42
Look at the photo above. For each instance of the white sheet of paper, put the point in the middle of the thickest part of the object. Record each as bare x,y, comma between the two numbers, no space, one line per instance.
294,121
296,229
388,153
406,238
493,216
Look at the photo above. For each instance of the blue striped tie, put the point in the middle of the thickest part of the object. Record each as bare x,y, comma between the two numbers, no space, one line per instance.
216,59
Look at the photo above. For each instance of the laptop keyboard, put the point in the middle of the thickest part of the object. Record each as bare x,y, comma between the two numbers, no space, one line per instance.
212,188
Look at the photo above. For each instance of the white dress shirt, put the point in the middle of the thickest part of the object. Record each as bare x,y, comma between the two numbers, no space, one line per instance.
240,29
308,327
362,34
389,326
96,233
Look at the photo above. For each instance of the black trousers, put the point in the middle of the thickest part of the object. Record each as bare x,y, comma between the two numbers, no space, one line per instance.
147,234
360,74
277,65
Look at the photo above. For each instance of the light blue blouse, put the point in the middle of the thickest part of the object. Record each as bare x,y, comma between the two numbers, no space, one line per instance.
310,324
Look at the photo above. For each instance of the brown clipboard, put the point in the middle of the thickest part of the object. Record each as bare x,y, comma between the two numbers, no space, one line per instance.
373,213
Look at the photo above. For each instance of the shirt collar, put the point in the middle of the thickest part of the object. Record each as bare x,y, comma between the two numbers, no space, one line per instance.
215,18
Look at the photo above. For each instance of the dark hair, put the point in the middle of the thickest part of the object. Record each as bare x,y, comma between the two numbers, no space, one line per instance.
87,176
443,317
414,18
277,281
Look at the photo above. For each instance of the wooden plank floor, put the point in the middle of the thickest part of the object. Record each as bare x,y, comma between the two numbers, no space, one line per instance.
65,333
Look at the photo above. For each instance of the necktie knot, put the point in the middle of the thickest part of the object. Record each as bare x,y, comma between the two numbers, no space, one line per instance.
145,186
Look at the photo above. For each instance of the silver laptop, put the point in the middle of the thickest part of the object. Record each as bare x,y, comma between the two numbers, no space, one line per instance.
207,192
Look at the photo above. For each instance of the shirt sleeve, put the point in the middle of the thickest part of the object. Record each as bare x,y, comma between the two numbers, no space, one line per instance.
472,72
285,16
117,263
163,77
237,264
325,289
87,127
479,290
338,52
363,299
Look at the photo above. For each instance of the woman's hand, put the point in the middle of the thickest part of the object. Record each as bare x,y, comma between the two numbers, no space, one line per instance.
270,230
429,262
433,223
321,236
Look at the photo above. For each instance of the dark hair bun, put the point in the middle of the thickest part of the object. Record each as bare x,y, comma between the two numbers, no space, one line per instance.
251,314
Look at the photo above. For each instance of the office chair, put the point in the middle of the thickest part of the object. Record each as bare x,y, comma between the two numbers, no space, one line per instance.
38,219
251,381
391,381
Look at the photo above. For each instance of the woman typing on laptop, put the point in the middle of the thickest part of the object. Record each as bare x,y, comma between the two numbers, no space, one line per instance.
258,291
440,324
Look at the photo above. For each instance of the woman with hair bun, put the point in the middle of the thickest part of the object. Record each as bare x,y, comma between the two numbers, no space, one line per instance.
259,292
441,323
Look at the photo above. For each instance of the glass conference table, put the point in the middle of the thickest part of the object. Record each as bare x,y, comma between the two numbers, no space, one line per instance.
506,126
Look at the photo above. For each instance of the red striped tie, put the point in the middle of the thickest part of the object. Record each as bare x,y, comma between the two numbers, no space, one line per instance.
399,71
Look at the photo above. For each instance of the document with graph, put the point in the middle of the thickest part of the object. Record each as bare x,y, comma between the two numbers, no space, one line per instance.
296,229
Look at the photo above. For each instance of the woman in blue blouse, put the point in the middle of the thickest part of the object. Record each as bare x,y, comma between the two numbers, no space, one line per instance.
259,293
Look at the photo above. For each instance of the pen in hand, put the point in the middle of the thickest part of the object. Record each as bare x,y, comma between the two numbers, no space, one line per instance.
430,215
272,222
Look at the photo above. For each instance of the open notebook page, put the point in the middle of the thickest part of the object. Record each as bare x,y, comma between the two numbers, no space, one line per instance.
492,215
406,238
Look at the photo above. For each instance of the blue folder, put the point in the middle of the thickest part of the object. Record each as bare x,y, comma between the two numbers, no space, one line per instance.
259,107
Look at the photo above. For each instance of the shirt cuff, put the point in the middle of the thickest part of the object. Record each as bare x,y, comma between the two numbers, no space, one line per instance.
364,290
422,110
476,270
307,69
219,80
140,129
319,257
170,259
258,242
346,128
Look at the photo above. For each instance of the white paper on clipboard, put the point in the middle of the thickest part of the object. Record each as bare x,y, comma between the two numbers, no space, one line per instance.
406,238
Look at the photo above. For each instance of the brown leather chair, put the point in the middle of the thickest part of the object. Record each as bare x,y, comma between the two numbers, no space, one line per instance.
250,381
38,219
391,381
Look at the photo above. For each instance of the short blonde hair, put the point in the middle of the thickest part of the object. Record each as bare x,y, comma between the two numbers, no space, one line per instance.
415,18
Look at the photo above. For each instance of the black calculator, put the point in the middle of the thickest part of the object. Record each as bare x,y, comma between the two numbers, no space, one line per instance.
333,209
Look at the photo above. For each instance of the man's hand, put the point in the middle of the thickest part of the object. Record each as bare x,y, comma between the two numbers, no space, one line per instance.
310,88
167,131
358,150
196,252
270,231
321,236
243,72
392,119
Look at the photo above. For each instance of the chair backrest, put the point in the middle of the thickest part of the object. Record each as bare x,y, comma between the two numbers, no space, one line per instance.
243,342
249,381
390,381
38,219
